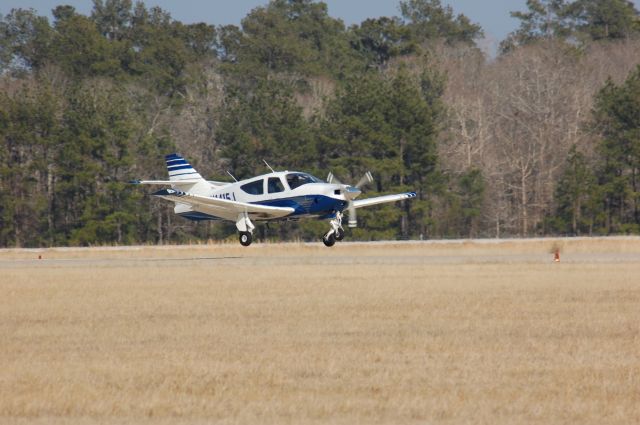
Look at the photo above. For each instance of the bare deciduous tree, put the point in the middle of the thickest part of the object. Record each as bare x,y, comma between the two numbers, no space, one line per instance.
516,117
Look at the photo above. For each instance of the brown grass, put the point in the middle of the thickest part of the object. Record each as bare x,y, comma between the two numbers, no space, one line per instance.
483,333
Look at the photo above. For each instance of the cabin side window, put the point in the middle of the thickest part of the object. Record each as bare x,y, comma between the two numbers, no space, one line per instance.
254,188
275,185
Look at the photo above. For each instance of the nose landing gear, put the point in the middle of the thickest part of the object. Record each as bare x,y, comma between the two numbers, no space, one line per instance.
329,239
336,233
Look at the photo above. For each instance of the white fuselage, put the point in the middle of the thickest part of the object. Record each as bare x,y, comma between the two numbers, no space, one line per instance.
307,195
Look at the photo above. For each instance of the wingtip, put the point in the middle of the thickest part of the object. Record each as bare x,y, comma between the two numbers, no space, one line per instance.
135,181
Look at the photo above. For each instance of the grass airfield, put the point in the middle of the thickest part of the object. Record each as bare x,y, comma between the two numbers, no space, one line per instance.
482,332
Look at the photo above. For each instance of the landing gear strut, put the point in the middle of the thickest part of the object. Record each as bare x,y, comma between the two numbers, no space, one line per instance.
336,233
245,228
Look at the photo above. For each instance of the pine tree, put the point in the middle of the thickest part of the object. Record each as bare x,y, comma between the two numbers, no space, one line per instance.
576,197
617,119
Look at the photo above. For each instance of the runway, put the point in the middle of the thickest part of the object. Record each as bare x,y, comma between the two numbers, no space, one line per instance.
466,251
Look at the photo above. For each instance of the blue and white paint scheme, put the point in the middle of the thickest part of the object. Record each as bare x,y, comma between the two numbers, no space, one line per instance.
280,195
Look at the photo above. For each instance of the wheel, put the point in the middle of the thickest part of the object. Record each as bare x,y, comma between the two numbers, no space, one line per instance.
329,240
339,234
245,238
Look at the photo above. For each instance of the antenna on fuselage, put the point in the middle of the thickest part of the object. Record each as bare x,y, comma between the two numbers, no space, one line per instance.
269,166
232,176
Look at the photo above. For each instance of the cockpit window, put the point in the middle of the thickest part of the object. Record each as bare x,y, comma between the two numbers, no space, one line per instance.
254,188
274,185
298,179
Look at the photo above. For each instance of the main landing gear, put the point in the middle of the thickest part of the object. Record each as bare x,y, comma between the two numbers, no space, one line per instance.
246,238
336,233
245,228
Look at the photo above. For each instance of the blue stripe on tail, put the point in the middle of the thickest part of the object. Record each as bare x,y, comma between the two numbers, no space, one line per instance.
178,166
177,162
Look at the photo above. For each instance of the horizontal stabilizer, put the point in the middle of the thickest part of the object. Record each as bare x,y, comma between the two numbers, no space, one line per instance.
161,182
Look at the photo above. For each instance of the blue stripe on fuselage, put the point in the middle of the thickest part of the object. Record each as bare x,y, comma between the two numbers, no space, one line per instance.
309,204
316,205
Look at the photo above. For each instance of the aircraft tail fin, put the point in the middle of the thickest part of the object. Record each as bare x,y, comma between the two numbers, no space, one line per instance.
180,169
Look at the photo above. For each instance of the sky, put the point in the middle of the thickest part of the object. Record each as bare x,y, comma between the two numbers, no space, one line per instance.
492,15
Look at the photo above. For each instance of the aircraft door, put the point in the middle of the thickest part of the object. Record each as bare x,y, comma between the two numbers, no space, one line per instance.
274,185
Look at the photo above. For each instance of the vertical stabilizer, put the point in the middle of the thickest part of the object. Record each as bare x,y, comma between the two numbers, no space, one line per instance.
180,169
184,177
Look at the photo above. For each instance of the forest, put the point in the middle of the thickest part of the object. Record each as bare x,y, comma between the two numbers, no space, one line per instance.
542,139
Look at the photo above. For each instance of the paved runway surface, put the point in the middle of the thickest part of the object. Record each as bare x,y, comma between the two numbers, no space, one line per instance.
481,251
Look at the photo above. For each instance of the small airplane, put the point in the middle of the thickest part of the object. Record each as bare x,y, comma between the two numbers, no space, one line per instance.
279,195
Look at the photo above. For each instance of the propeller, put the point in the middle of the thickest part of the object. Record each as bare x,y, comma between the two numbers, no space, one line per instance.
351,193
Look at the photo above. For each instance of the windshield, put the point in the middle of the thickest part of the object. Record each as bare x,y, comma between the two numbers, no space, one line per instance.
298,179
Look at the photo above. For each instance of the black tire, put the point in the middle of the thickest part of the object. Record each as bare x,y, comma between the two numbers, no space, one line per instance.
245,238
339,234
329,240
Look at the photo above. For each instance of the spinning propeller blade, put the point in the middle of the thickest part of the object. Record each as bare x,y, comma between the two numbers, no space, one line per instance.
351,193
367,178
333,179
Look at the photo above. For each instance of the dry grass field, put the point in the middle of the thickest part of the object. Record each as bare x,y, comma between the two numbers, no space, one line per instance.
416,333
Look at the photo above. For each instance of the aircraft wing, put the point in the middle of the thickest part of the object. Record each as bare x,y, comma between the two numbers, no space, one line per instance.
382,199
223,208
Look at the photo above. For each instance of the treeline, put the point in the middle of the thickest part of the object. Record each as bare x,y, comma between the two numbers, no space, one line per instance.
544,139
